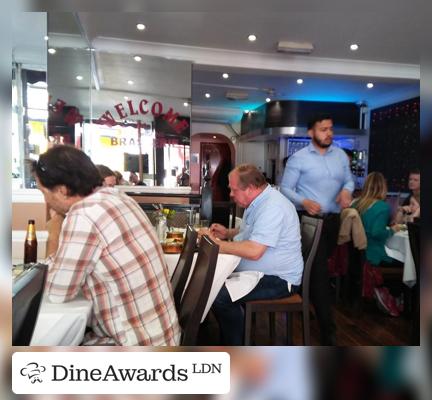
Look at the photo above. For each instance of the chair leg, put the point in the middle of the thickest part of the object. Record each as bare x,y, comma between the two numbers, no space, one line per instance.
289,328
253,331
272,326
306,327
248,325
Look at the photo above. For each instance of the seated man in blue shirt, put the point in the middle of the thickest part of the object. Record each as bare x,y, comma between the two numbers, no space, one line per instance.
268,241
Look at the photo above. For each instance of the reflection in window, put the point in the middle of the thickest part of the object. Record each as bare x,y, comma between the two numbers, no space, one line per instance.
29,122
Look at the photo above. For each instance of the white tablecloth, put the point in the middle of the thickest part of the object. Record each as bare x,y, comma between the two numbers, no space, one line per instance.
398,247
61,324
225,265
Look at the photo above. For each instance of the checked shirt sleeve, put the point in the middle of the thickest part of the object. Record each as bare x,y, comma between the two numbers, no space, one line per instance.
79,249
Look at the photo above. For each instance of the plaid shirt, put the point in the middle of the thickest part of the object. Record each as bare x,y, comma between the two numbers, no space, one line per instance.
109,250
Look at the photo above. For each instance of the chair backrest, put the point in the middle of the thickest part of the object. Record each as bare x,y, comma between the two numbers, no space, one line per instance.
310,231
414,239
182,269
27,293
195,298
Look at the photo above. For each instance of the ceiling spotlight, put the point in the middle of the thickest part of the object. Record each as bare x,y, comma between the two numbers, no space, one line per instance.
52,51
268,100
299,81
79,77
225,75
185,103
252,38
354,47
46,38
370,85
137,58
130,82
207,95
140,27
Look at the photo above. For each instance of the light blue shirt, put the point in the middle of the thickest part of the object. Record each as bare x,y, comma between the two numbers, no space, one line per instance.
318,177
271,219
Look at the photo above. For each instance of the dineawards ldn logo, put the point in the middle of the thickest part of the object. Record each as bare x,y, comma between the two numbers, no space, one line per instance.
33,371
121,372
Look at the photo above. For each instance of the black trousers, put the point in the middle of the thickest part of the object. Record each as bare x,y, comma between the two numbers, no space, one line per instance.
319,281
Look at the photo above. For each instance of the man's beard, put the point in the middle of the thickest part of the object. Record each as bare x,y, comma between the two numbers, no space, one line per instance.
321,144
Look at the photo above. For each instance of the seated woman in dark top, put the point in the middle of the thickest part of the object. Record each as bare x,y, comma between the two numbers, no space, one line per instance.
375,214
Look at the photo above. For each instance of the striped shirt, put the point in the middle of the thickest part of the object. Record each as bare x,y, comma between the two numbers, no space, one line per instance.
109,250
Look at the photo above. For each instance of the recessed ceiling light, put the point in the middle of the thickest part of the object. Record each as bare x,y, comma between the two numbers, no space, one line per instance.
268,100
354,47
252,38
225,75
185,103
52,51
137,58
370,85
126,98
46,38
207,95
79,77
140,27
299,81
130,82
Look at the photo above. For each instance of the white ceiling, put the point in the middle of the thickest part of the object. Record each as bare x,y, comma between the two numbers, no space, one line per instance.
215,41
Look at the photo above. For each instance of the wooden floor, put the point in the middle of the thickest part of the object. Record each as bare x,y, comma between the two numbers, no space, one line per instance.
371,327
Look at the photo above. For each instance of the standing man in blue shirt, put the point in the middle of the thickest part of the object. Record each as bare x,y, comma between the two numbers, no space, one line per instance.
318,180
268,241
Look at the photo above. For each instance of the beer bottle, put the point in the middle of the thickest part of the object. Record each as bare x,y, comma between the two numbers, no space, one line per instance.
30,245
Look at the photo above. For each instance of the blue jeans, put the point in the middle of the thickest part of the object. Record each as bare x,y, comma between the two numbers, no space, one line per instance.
230,315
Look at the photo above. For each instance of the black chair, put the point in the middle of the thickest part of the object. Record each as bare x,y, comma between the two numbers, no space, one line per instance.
183,267
197,291
310,235
27,293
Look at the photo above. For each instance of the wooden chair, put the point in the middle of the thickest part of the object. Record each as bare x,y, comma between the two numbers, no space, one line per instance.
183,267
197,291
27,293
310,235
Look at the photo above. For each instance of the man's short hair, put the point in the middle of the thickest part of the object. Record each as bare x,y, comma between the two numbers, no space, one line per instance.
68,166
414,171
318,118
104,171
249,174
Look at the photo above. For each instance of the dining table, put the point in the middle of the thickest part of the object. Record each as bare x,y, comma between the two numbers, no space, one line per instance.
398,247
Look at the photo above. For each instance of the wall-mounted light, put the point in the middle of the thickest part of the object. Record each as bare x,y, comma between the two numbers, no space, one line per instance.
354,47
207,95
130,82
299,81
137,58
140,27
252,38
79,78
52,51
370,85
225,75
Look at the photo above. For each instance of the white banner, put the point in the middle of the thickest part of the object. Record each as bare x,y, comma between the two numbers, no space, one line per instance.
121,373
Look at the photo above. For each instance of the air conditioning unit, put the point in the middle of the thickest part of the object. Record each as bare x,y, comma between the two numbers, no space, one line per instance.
236,95
295,47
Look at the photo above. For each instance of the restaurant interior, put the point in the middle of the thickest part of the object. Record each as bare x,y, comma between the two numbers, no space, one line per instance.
178,100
